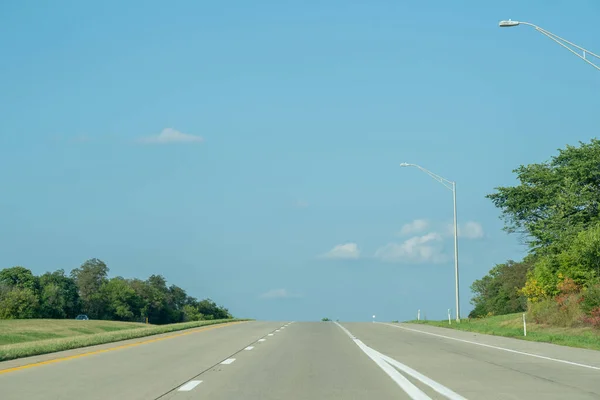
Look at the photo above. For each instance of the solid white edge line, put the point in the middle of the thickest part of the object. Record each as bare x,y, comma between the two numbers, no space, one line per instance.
409,388
497,348
189,386
249,348
228,361
441,389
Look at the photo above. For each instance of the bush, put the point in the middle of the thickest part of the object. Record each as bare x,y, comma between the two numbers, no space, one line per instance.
541,311
591,299
191,313
564,310
594,318
325,319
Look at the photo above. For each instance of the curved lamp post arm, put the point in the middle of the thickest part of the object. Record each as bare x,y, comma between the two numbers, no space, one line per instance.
447,183
561,41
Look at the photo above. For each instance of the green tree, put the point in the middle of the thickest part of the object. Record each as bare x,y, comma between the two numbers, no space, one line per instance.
177,301
160,312
191,313
89,279
19,290
88,289
18,303
578,259
211,310
59,296
499,292
581,260
19,277
122,301
554,200
154,299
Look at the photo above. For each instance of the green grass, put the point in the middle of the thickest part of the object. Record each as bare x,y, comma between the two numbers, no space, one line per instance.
14,331
511,325
24,338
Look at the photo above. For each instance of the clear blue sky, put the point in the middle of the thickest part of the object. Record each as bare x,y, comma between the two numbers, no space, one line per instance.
305,110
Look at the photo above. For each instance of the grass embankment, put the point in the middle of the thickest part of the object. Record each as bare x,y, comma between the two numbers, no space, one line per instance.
511,325
24,338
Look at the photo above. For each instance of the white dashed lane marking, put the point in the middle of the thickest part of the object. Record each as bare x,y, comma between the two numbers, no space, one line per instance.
189,386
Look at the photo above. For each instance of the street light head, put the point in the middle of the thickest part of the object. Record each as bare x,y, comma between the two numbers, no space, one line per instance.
405,164
508,24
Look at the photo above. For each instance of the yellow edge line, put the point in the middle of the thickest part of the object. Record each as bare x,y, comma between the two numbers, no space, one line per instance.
124,346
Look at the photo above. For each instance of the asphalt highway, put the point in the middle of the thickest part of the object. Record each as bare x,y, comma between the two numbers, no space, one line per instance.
309,360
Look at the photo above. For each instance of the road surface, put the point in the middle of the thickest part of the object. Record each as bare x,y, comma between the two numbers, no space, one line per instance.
309,360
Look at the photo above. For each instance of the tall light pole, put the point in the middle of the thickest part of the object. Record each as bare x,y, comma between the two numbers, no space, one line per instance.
563,42
452,186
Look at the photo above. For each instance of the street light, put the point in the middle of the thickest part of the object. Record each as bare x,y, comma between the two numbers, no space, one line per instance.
452,186
557,39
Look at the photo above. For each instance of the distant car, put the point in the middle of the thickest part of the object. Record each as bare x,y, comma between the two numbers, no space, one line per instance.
82,317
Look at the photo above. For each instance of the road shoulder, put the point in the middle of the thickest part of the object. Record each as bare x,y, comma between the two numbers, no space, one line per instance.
576,355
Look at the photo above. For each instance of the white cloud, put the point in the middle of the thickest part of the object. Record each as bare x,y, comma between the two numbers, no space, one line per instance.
344,251
170,135
468,230
277,294
416,226
417,249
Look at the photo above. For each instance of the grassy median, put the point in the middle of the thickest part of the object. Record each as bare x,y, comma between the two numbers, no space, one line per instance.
24,338
511,325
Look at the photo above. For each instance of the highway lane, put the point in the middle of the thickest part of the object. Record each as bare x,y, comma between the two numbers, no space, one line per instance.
319,360
139,372
305,361
501,368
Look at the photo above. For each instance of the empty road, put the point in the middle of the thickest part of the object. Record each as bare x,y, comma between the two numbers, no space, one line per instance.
309,360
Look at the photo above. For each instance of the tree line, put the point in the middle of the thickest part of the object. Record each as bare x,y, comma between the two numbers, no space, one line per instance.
555,210
88,290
